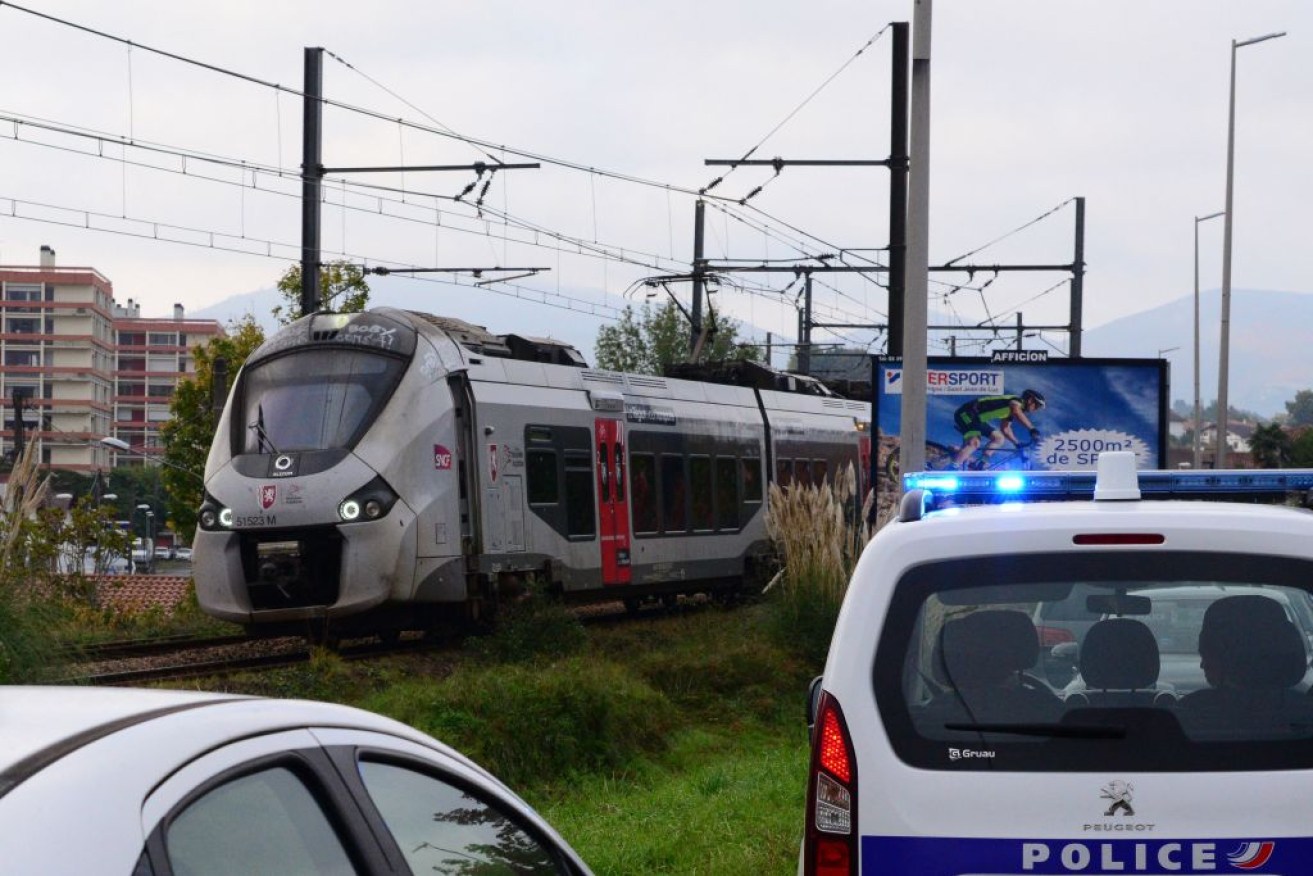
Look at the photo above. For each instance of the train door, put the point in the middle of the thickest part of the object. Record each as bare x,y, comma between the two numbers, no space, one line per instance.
612,500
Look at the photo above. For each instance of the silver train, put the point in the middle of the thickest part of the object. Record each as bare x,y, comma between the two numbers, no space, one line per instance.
392,470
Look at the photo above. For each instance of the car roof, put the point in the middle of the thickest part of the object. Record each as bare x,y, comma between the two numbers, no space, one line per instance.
39,724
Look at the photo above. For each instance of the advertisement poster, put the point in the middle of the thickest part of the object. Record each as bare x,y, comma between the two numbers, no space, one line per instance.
1078,408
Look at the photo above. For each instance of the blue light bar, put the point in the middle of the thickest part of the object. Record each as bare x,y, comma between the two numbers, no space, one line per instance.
975,487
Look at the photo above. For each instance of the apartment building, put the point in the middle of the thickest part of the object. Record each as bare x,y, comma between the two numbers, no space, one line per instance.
85,367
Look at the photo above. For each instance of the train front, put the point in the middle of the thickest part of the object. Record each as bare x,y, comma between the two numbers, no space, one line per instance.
299,522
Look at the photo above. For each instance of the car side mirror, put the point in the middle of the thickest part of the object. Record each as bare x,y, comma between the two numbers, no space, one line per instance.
813,702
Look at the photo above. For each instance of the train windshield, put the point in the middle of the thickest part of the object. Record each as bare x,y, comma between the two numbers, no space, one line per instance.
315,399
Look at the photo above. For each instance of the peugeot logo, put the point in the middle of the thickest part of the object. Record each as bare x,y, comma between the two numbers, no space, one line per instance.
1119,793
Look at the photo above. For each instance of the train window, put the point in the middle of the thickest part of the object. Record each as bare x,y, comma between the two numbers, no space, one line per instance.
580,520
645,503
699,470
751,480
538,433
544,487
727,493
674,494
802,473
315,399
619,471
783,472
604,471
820,470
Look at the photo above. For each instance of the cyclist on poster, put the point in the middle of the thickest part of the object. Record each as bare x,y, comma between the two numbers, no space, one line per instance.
994,416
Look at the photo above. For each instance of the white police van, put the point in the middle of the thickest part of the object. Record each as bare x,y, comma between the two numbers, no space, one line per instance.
1174,735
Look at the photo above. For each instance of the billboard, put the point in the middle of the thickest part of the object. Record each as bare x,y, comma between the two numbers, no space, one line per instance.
1089,406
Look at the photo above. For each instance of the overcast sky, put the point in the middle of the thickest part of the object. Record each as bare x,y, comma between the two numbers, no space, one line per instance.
1034,102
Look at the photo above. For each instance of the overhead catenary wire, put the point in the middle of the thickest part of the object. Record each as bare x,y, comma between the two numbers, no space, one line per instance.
770,227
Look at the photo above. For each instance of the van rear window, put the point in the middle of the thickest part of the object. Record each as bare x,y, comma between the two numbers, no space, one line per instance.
1130,660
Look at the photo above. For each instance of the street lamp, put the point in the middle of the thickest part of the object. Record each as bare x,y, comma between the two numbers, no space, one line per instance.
1198,412
123,447
1229,211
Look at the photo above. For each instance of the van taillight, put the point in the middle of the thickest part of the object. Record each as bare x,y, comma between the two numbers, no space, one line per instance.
831,840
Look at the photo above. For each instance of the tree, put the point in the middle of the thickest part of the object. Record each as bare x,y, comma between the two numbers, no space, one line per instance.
1270,446
1301,450
646,343
188,435
340,283
1300,408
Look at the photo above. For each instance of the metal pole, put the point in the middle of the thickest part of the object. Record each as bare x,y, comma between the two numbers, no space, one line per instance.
1078,282
1198,455
1223,408
699,272
913,427
805,330
898,190
312,174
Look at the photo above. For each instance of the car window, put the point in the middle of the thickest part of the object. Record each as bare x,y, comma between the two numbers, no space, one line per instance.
442,828
1187,652
263,823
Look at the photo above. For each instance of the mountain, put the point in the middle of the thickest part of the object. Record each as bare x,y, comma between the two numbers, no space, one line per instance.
1269,356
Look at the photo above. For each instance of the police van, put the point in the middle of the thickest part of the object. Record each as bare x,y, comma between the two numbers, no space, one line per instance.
1165,727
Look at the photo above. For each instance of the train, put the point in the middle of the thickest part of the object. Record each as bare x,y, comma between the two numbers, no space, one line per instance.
390,470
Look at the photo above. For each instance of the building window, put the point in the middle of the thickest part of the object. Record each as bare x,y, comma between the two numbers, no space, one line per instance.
162,339
23,358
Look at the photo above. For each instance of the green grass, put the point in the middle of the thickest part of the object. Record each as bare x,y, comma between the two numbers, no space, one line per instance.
674,744
719,802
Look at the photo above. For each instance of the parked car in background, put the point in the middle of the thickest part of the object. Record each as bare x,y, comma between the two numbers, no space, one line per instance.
182,553
221,784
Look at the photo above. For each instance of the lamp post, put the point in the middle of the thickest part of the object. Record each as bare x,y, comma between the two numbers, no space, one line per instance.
1198,412
123,447
1229,213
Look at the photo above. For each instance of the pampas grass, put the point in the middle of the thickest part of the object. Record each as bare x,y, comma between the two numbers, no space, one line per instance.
818,532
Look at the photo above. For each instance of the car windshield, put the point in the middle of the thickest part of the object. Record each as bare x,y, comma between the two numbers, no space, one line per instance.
314,399
1101,661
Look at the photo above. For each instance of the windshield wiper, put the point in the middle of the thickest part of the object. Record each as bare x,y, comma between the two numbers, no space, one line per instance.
1053,731
261,435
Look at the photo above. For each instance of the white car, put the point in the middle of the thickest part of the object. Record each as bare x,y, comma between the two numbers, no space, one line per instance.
101,780
945,742
182,553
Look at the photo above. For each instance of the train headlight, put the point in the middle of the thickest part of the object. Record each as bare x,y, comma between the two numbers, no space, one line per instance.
371,502
214,515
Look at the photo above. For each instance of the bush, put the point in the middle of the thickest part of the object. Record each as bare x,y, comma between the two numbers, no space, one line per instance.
537,724
536,626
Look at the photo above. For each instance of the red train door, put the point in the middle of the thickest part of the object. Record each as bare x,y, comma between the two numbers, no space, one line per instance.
612,501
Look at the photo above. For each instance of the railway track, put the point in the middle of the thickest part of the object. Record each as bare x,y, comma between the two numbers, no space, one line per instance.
120,663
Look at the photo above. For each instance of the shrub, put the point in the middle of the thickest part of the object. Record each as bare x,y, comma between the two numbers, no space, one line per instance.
535,626
539,723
